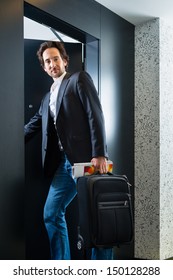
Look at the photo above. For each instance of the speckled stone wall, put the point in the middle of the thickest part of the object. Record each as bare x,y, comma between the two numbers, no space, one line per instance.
153,140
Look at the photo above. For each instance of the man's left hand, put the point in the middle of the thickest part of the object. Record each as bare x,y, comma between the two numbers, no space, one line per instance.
100,164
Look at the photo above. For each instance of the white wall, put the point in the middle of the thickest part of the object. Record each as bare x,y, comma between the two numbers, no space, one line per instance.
166,139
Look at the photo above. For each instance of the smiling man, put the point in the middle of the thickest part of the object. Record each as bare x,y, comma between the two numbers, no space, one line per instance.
72,124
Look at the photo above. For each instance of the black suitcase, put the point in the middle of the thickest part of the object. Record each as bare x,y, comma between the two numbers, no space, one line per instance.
105,211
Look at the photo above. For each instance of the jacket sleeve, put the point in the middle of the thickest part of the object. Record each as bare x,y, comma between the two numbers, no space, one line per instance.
34,125
92,106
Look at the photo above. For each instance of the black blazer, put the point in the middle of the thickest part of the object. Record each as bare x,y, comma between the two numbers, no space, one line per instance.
79,122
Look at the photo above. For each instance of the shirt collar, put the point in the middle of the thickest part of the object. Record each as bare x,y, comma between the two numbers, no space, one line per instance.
57,81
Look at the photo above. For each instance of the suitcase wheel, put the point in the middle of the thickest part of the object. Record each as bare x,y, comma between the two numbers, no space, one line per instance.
80,242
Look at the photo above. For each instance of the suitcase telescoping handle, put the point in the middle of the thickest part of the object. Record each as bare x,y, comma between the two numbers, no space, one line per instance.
98,173
112,174
109,173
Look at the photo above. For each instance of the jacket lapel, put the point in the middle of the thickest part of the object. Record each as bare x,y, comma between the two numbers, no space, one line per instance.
61,93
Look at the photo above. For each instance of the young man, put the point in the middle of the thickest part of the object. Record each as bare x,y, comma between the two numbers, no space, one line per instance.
72,124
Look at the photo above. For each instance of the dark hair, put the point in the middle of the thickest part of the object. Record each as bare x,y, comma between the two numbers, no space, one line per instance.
52,44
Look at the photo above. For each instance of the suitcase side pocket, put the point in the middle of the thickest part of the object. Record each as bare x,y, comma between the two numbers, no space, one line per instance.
114,219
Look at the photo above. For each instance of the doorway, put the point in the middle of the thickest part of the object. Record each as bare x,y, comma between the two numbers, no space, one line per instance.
83,56
37,83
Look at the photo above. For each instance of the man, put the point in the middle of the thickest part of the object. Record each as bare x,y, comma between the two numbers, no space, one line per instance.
72,124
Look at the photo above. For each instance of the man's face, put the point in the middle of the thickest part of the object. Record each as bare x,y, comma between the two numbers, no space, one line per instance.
54,65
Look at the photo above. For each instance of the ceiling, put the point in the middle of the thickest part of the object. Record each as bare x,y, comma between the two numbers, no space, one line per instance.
36,31
138,11
134,11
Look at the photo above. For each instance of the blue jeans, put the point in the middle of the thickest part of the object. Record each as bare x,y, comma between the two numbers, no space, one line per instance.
61,193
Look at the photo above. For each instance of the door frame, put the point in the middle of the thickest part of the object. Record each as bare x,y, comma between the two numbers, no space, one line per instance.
91,43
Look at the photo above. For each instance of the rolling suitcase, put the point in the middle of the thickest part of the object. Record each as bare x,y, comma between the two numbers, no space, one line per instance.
105,211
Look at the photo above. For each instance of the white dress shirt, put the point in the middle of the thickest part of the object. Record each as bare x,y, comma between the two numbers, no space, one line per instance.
54,94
